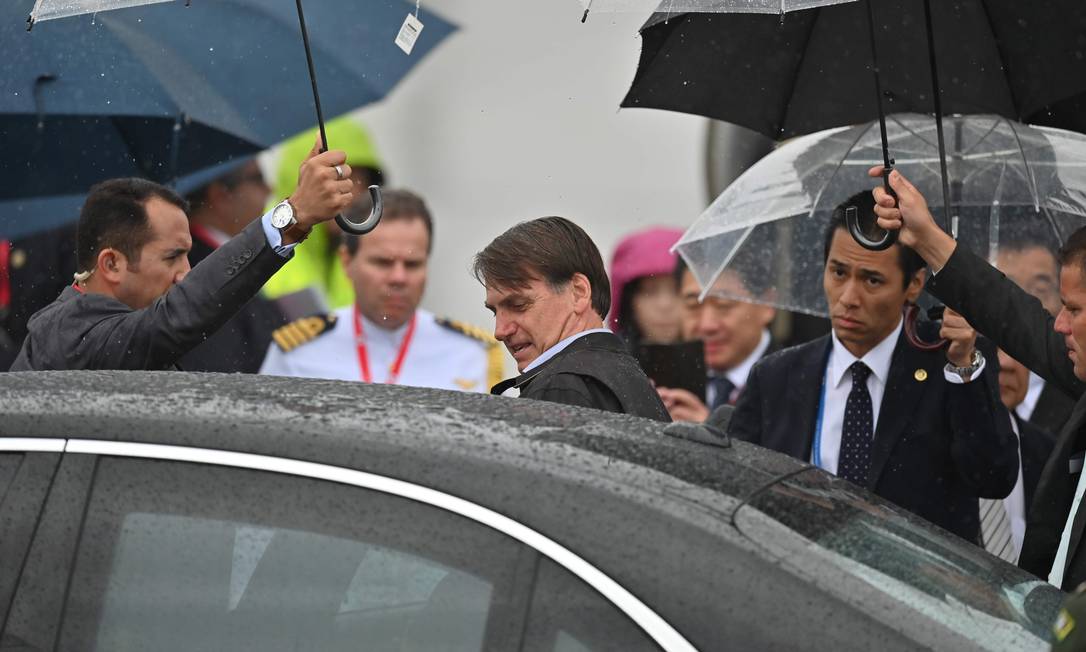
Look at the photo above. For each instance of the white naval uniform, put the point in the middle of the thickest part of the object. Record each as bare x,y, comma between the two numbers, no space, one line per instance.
438,355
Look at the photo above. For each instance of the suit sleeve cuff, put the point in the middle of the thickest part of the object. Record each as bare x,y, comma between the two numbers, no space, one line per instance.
955,379
275,239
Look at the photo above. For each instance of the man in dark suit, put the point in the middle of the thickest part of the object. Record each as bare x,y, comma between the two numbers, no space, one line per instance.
1027,255
219,211
1054,348
923,429
1003,522
135,304
734,332
548,290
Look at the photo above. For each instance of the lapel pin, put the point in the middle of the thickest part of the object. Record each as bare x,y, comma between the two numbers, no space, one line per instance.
920,375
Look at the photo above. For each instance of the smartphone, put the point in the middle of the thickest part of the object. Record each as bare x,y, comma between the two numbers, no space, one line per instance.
679,365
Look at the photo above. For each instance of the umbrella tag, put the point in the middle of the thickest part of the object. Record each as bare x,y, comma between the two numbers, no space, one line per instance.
409,33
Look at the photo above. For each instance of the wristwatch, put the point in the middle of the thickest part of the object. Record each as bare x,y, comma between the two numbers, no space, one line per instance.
283,215
965,373
283,218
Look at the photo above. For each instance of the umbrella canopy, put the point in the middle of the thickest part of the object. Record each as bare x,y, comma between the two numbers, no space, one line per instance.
666,7
796,73
162,91
1007,180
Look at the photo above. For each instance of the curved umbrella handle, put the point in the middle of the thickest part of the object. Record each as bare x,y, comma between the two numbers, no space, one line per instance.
911,314
371,222
857,230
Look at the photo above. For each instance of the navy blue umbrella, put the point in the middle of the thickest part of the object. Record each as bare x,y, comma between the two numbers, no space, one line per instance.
164,91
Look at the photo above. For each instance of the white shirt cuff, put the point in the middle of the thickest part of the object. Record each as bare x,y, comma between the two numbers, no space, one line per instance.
952,377
275,239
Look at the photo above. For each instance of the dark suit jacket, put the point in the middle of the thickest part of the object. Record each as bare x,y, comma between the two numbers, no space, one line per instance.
937,447
1052,410
1035,445
593,371
242,342
93,331
1020,325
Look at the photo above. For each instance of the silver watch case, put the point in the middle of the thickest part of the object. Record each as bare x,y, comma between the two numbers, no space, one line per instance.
282,216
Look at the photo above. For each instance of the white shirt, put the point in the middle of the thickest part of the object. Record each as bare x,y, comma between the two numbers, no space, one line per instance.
436,356
1015,503
738,374
838,384
558,348
1033,394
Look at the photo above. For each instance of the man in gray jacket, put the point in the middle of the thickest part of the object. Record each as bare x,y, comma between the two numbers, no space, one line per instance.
135,304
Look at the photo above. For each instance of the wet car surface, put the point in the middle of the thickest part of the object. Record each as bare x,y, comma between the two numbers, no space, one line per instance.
185,511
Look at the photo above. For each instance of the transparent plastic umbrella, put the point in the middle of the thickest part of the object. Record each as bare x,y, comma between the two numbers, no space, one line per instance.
666,7
1007,181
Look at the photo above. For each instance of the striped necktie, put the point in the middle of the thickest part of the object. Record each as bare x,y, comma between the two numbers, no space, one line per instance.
995,530
722,390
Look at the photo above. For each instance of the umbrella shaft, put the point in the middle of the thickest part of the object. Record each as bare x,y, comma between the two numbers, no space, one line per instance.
937,103
312,75
878,85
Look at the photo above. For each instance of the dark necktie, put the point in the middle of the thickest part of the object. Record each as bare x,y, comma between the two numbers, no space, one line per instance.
856,432
722,389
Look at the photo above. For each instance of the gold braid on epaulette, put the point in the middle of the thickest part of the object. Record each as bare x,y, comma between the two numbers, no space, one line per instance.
303,330
474,332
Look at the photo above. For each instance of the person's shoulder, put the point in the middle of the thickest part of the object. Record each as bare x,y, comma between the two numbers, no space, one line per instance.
786,358
464,331
302,331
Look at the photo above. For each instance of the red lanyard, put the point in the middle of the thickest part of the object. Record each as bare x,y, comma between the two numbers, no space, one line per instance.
201,233
364,359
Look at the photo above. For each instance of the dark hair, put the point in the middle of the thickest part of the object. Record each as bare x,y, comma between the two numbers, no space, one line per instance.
1073,252
753,266
550,248
908,260
114,216
197,199
398,205
1026,231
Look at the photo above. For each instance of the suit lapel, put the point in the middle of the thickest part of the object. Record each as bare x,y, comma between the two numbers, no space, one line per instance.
805,392
903,392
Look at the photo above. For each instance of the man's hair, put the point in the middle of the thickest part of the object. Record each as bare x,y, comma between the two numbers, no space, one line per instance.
753,268
398,205
552,249
114,216
908,260
197,199
1073,252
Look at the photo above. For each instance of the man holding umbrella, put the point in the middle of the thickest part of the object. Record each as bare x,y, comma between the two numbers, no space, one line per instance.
134,304
1052,347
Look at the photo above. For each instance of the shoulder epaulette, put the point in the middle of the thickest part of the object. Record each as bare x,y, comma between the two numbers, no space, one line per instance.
474,332
303,330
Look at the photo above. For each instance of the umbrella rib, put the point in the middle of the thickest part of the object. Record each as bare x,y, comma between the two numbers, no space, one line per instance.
980,140
1002,59
795,76
1029,168
860,134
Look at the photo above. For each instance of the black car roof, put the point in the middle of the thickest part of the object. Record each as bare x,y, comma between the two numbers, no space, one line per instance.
323,421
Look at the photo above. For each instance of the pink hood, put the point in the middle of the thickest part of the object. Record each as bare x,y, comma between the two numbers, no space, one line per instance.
645,253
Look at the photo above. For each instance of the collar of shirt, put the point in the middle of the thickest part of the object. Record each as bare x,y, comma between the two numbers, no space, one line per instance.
1033,394
877,359
381,335
558,348
739,373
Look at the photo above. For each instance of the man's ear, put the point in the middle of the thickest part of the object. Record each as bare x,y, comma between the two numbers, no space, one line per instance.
916,285
345,256
581,288
111,264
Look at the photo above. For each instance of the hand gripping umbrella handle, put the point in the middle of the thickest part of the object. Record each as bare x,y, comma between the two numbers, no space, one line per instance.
371,222
911,314
858,230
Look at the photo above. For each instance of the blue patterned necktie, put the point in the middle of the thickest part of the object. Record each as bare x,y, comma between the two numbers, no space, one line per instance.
722,391
857,429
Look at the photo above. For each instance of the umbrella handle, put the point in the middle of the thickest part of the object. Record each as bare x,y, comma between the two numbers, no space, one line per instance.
911,314
858,230
371,222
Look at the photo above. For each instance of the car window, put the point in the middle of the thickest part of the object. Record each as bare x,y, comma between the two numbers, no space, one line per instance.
568,615
187,557
949,579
